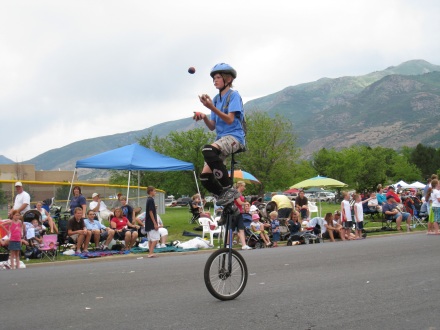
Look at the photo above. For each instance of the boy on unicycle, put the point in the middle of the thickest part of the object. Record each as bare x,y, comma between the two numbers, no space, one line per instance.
227,117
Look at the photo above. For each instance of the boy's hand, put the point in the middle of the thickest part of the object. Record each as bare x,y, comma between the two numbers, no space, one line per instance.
198,116
206,100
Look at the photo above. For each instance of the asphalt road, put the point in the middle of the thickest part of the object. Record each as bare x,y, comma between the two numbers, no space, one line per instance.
377,283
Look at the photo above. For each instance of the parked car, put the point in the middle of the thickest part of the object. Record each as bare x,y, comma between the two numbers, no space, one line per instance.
170,202
324,196
183,201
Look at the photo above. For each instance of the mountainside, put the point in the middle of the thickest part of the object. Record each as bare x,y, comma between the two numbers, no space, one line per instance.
394,107
5,160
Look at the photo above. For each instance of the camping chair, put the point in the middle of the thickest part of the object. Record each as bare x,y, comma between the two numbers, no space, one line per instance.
210,227
195,214
49,247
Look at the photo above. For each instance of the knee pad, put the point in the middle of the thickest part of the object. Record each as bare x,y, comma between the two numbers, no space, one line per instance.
212,159
210,183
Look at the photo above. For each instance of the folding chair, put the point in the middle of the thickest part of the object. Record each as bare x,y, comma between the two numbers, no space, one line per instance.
49,247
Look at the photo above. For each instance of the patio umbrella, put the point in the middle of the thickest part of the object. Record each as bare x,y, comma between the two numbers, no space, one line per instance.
319,181
240,175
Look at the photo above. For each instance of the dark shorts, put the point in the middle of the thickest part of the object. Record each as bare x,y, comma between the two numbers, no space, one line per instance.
348,224
103,236
335,234
359,225
284,212
276,237
237,223
303,213
14,246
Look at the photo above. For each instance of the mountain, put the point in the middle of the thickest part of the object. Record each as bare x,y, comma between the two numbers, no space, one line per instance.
5,160
393,107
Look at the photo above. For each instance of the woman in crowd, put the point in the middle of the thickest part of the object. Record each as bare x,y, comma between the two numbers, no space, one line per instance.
46,218
124,229
78,200
294,224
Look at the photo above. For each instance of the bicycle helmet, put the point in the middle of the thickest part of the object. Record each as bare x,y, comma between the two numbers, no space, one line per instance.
223,68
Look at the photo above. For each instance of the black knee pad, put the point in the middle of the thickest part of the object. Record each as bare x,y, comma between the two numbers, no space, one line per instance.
212,158
210,183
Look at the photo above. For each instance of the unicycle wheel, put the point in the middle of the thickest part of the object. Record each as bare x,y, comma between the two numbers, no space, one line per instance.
222,283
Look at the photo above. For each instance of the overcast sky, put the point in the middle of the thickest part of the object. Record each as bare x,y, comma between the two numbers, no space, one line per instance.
71,70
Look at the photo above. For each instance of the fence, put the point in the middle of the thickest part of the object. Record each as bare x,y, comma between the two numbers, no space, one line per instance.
39,191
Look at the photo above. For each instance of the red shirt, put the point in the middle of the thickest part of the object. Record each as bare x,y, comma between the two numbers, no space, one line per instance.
240,207
120,223
396,197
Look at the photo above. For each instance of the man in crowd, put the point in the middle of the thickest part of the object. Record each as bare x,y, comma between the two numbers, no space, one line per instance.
77,230
392,192
391,211
99,207
22,200
302,205
98,231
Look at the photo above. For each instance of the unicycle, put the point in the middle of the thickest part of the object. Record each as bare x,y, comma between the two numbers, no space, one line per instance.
225,271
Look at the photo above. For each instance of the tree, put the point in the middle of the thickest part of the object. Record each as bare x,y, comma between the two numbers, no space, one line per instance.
271,152
426,158
62,193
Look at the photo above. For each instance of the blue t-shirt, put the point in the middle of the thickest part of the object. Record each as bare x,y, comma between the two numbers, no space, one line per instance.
381,199
275,225
127,212
235,105
77,202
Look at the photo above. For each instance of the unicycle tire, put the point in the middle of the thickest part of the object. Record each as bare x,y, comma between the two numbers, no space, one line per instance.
219,282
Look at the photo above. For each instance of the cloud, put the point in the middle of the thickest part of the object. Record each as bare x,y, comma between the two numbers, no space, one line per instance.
78,69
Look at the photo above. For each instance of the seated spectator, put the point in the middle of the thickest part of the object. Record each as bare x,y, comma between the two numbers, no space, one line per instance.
99,232
258,228
332,229
293,222
246,215
392,212
275,226
391,192
46,218
127,209
163,232
373,203
99,207
78,232
302,205
34,231
124,229
196,206
337,221
284,205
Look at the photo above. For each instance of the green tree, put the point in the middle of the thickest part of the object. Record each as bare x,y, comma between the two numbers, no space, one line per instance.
62,193
426,158
271,152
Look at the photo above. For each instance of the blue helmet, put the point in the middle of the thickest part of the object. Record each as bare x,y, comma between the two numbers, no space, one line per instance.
223,68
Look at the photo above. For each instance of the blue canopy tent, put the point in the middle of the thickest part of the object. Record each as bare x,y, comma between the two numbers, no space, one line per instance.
133,157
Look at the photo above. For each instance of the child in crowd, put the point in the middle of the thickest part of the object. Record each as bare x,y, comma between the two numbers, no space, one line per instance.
258,228
275,225
35,231
359,214
151,224
346,219
15,233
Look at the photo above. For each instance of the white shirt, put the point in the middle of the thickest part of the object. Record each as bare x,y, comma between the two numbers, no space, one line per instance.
435,195
347,209
360,212
102,206
319,221
20,199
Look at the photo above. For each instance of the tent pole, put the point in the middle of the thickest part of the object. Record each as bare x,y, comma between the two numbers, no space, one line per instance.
70,190
197,184
139,190
128,184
